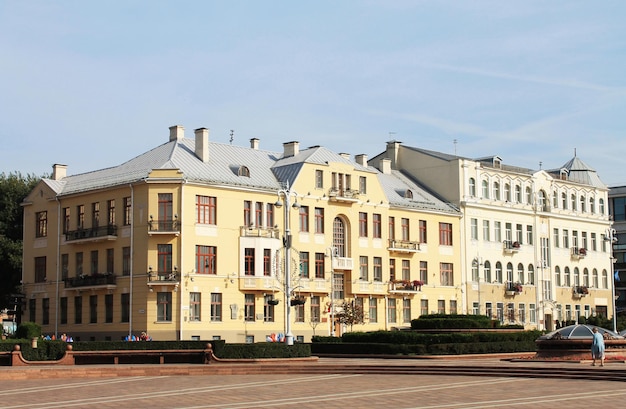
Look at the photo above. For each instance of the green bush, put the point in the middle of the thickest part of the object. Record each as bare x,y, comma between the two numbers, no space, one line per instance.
453,321
264,350
28,330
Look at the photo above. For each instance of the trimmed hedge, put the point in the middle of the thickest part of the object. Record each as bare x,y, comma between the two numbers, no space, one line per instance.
453,321
264,350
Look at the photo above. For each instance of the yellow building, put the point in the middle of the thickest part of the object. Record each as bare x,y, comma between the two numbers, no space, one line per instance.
202,240
534,249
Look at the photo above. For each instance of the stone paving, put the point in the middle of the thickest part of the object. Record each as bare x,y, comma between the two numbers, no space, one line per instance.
318,391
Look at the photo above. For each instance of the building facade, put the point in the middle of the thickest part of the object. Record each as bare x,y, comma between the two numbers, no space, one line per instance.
534,249
617,207
200,240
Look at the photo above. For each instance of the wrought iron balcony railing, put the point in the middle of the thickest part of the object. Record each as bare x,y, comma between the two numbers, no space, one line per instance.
94,280
94,233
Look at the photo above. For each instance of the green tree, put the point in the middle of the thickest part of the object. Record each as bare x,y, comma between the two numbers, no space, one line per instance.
351,313
14,187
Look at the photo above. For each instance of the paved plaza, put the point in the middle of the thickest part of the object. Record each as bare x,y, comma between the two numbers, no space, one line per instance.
326,391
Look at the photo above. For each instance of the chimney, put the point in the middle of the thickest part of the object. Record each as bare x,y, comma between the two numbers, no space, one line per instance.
361,159
177,132
393,148
345,155
291,148
202,144
59,171
385,166
254,143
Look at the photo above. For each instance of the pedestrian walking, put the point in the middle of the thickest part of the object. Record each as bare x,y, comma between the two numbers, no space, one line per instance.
597,347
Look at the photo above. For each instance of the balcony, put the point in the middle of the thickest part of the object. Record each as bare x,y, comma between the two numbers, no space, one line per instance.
513,289
163,226
90,235
405,286
252,283
578,253
403,246
342,263
256,231
579,291
95,281
343,195
510,247
164,278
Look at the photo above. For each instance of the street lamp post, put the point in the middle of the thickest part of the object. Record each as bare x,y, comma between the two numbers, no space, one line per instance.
286,194
332,250
611,237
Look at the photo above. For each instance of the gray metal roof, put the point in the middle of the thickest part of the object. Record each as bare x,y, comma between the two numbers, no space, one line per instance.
579,172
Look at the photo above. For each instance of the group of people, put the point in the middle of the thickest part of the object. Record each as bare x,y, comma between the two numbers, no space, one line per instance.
143,337
63,337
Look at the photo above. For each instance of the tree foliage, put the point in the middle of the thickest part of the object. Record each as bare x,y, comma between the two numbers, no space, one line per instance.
14,187
351,313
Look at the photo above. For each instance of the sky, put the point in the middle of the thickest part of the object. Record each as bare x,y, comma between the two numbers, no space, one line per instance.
92,84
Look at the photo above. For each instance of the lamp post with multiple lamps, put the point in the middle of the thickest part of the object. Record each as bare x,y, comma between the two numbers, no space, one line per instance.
333,251
286,195
611,238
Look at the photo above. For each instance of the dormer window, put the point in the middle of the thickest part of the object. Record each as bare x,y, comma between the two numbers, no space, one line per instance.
408,194
244,171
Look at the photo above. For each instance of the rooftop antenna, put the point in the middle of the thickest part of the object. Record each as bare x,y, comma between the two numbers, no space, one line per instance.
540,164
455,141
391,135
232,133
574,152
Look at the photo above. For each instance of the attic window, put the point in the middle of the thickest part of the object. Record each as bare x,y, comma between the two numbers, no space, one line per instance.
497,162
244,171
563,174
408,194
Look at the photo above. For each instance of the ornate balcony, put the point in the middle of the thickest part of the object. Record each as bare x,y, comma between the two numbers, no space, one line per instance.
405,286
164,278
510,246
90,235
343,195
259,231
342,263
579,291
94,281
252,283
512,288
163,226
403,246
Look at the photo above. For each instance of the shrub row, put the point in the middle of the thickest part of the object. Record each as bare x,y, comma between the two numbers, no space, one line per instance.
453,321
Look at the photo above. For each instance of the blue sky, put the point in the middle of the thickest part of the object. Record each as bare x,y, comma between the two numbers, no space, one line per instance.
92,84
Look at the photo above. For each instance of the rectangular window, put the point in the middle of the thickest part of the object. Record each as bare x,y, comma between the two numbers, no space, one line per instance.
519,233
377,226
249,261
555,234
216,307
453,307
32,309
127,211
319,265
267,262
510,312
164,306
40,269
268,309
250,307
363,268
78,309
406,229
319,179
42,224
594,242
111,212
565,239
423,231
126,261
45,309
93,309
195,306
521,308
206,260
424,271
299,312
532,313
108,308
378,269
497,231
80,216
392,228
315,309
303,216
95,215
391,310
406,270
474,229
247,213
304,264
93,265
258,214
269,215
486,229
63,310
362,185
164,259
392,269
373,310
423,307
445,234
406,310
206,210
110,261
166,211
441,306
66,219
79,264
362,224
529,234
125,307
319,220
446,274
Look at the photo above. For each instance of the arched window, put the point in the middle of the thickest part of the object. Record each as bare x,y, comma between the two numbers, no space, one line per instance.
498,272
507,192
573,201
531,274
576,276
408,194
509,272
543,206
244,171
586,277
340,237
601,204
555,199
520,273
487,271
529,195
564,200
594,278
592,205
583,203
557,276
472,187
485,189
567,282
518,194
605,279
